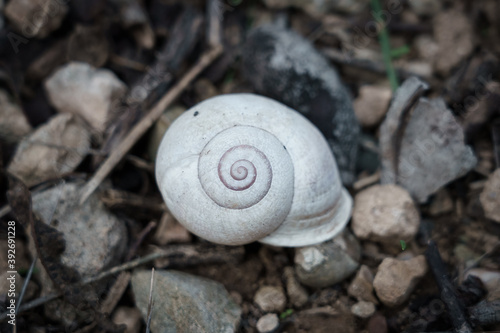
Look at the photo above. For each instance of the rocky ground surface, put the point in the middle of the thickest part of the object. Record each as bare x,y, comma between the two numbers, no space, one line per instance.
406,93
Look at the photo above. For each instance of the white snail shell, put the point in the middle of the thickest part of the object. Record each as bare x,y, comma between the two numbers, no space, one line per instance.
239,168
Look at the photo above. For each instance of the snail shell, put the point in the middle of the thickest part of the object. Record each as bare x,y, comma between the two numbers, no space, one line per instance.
239,168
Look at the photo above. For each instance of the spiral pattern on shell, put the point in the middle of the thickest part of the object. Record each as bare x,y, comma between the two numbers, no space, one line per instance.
233,169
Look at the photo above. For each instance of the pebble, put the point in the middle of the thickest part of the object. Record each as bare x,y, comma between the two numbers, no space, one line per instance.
185,303
490,197
371,105
297,295
283,65
361,286
170,231
128,316
79,88
396,279
270,299
363,309
377,324
385,213
38,157
268,323
490,279
13,123
327,263
35,18
319,8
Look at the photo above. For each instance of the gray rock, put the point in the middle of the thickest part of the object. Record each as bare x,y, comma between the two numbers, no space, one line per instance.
396,279
421,143
283,65
328,263
95,238
185,303
268,323
270,299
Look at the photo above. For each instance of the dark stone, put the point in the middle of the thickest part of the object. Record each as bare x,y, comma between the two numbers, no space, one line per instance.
283,65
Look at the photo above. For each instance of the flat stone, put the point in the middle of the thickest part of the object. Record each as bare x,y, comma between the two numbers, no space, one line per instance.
79,88
490,197
396,279
268,323
385,213
55,148
363,309
270,299
361,286
329,262
283,65
184,303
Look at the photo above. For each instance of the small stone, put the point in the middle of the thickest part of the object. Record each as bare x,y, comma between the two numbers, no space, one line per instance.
372,104
321,7
13,123
297,295
268,323
363,309
185,303
329,262
361,286
377,324
490,197
55,148
79,88
171,231
270,299
454,34
36,18
490,279
285,66
395,279
441,204
130,317
426,7
385,213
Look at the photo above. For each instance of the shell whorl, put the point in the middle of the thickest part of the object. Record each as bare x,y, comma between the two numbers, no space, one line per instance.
235,168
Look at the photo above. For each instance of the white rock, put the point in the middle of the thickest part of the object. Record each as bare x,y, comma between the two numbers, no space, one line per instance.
396,279
270,299
81,89
372,104
268,323
385,213
363,309
490,197
55,148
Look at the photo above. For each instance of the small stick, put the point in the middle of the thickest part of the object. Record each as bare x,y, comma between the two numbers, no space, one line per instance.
151,301
142,126
456,311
